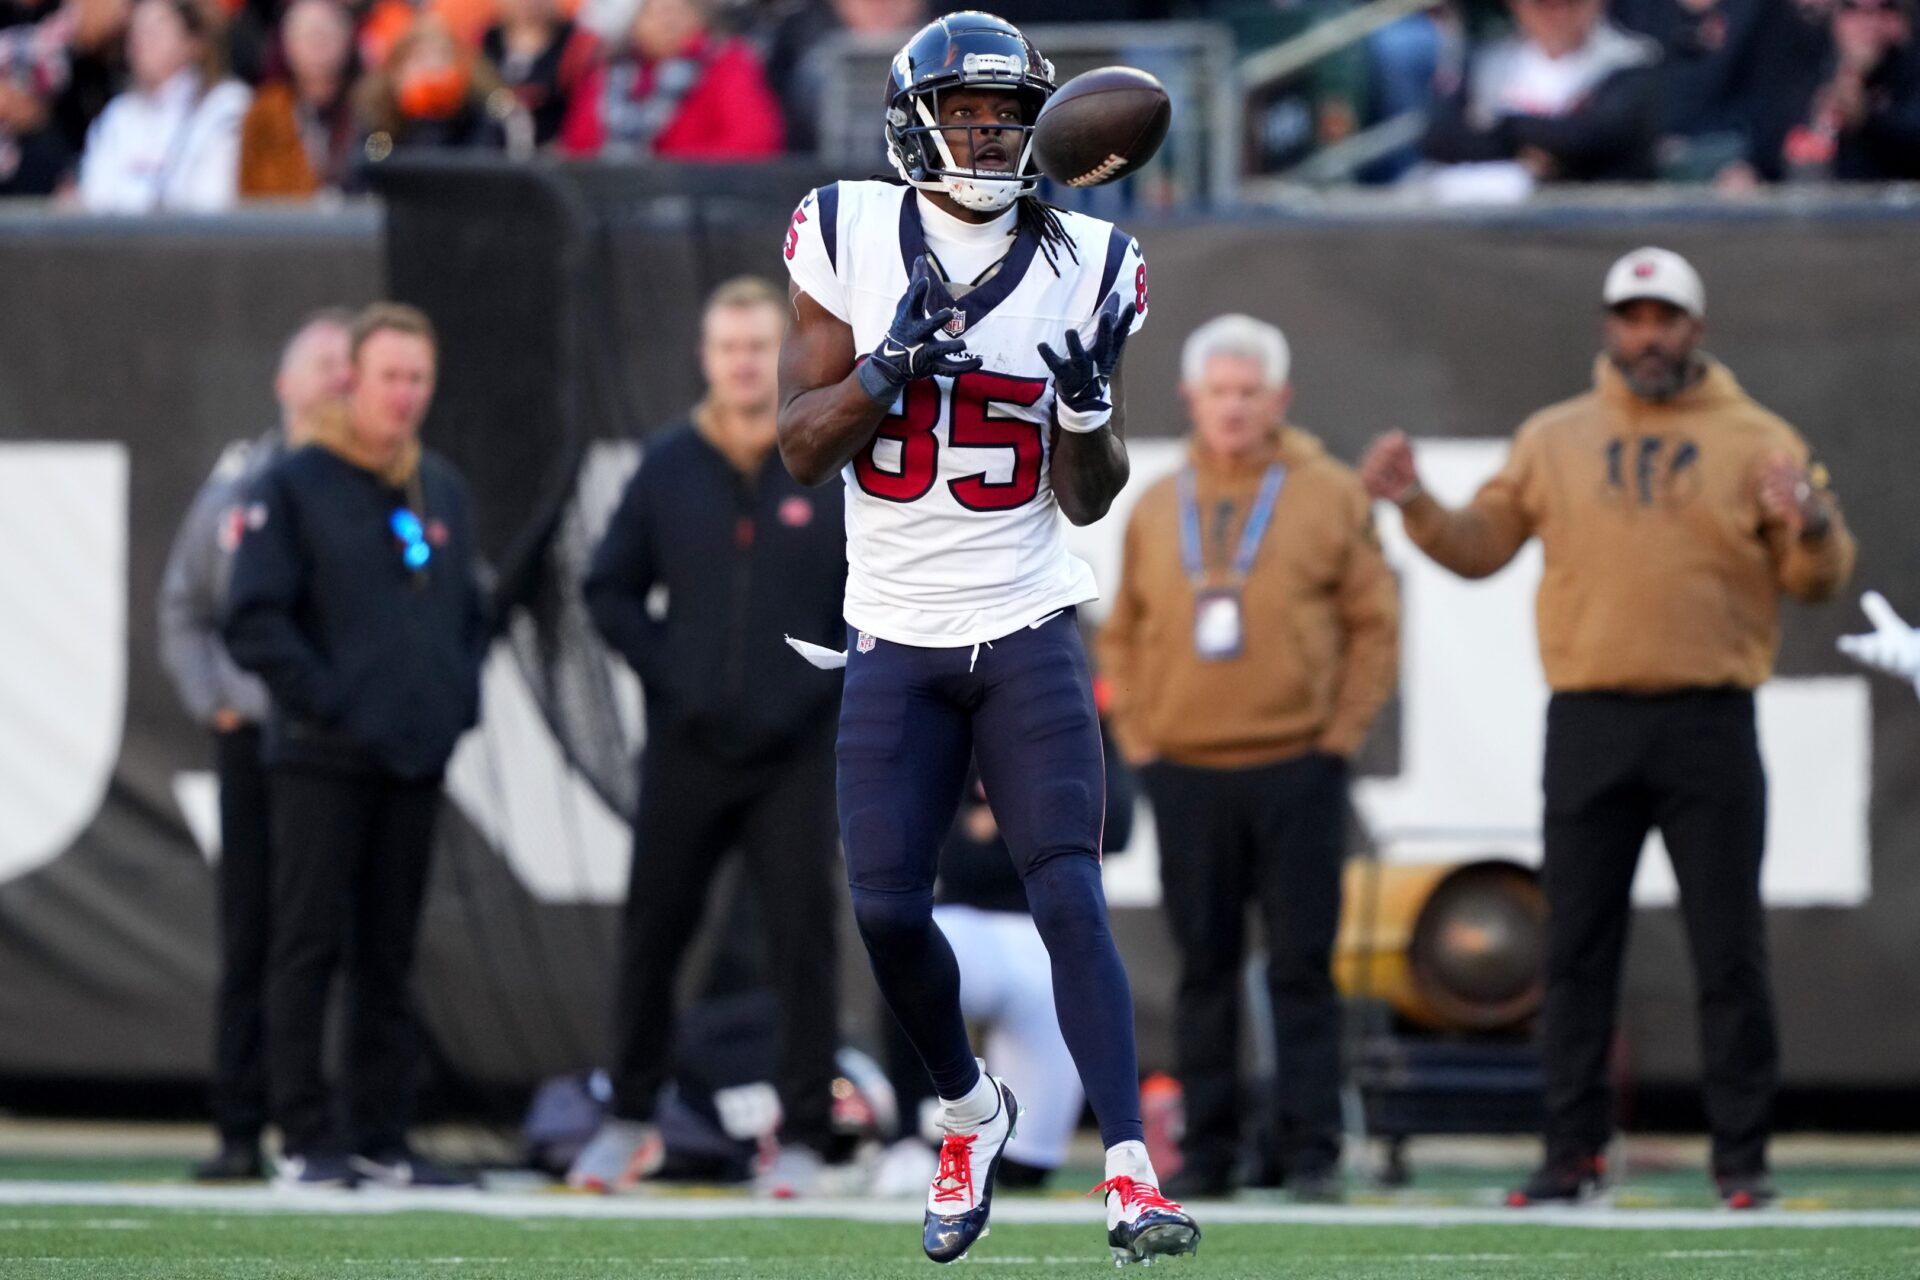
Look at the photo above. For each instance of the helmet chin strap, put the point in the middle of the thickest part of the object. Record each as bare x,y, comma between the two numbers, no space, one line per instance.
983,195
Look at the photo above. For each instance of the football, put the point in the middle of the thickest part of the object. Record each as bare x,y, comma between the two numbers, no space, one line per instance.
1101,126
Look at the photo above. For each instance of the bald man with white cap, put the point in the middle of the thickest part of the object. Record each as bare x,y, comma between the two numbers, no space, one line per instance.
1674,513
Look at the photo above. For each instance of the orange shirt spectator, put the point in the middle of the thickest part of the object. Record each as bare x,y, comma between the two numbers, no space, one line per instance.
679,91
431,94
298,135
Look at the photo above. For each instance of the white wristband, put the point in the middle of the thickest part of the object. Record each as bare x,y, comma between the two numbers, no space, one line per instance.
1071,419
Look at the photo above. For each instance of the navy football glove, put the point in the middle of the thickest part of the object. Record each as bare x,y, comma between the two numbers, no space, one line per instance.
1083,378
909,351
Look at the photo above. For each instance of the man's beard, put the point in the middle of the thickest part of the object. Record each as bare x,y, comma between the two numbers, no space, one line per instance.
1663,381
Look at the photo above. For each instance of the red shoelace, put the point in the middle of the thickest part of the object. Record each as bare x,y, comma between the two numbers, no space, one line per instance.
954,1181
1131,1193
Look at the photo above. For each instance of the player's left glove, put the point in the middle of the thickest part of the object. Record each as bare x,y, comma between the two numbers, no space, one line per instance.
1892,646
1083,378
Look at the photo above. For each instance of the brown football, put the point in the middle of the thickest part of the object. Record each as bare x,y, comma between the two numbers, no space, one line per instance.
1101,126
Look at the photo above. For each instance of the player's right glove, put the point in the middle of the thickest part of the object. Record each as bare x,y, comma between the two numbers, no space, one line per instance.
909,351
1892,646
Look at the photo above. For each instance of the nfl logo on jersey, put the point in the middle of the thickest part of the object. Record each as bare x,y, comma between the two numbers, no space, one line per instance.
958,325
865,643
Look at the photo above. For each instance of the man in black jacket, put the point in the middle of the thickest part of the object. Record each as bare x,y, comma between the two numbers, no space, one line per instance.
740,733
1569,97
354,598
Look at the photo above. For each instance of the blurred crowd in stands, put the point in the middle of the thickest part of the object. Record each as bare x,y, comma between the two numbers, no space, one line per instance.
138,105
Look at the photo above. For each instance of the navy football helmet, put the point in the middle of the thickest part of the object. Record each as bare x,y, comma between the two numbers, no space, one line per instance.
964,51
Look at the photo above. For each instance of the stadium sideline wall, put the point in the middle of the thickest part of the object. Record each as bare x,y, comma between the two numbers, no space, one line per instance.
135,352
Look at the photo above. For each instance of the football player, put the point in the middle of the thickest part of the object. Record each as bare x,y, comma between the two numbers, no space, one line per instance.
955,354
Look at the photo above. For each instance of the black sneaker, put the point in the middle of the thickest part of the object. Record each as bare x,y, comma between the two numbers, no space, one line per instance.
314,1172
402,1168
237,1162
1561,1181
1746,1190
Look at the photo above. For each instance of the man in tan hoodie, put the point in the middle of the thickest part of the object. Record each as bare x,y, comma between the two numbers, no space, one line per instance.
1253,639
1674,512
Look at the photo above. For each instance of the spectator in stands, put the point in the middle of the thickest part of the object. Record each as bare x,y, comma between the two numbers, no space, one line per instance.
34,67
1734,75
544,57
431,94
232,705
679,91
739,746
796,54
172,140
297,139
1674,514
93,36
355,598
1863,124
1254,637
383,22
1569,97
1403,64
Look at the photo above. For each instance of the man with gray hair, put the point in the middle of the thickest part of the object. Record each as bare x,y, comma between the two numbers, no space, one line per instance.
1253,639
231,704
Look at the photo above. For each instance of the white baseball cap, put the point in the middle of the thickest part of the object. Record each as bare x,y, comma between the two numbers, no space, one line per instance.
1659,274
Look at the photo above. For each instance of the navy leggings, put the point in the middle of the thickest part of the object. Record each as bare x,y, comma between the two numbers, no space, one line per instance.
1023,708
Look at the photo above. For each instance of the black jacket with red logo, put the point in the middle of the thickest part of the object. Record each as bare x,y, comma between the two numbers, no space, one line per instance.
739,562
373,664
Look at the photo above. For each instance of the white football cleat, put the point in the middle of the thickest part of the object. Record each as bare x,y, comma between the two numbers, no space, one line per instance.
1143,1225
961,1194
620,1155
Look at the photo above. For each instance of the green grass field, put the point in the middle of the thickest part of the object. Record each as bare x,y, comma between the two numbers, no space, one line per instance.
148,1244
1845,1212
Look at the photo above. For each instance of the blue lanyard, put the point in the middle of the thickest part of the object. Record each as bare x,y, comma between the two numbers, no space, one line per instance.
1258,519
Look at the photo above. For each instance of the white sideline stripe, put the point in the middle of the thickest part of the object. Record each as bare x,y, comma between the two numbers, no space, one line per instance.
1033,1211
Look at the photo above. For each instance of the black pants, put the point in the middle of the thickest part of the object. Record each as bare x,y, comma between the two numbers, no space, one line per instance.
1616,766
780,814
350,857
243,885
1274,834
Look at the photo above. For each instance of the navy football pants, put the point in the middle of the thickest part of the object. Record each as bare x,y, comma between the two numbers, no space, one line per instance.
1023,708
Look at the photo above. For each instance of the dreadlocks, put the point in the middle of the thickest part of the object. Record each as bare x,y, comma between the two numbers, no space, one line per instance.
1043,220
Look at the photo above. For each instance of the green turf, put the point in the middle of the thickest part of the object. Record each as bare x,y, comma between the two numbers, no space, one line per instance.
16,1168
122,1244
1644,1186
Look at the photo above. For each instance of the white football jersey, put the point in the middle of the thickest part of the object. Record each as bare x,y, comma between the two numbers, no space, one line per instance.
953,533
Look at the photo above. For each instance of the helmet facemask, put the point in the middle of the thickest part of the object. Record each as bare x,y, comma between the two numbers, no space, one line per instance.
920,151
